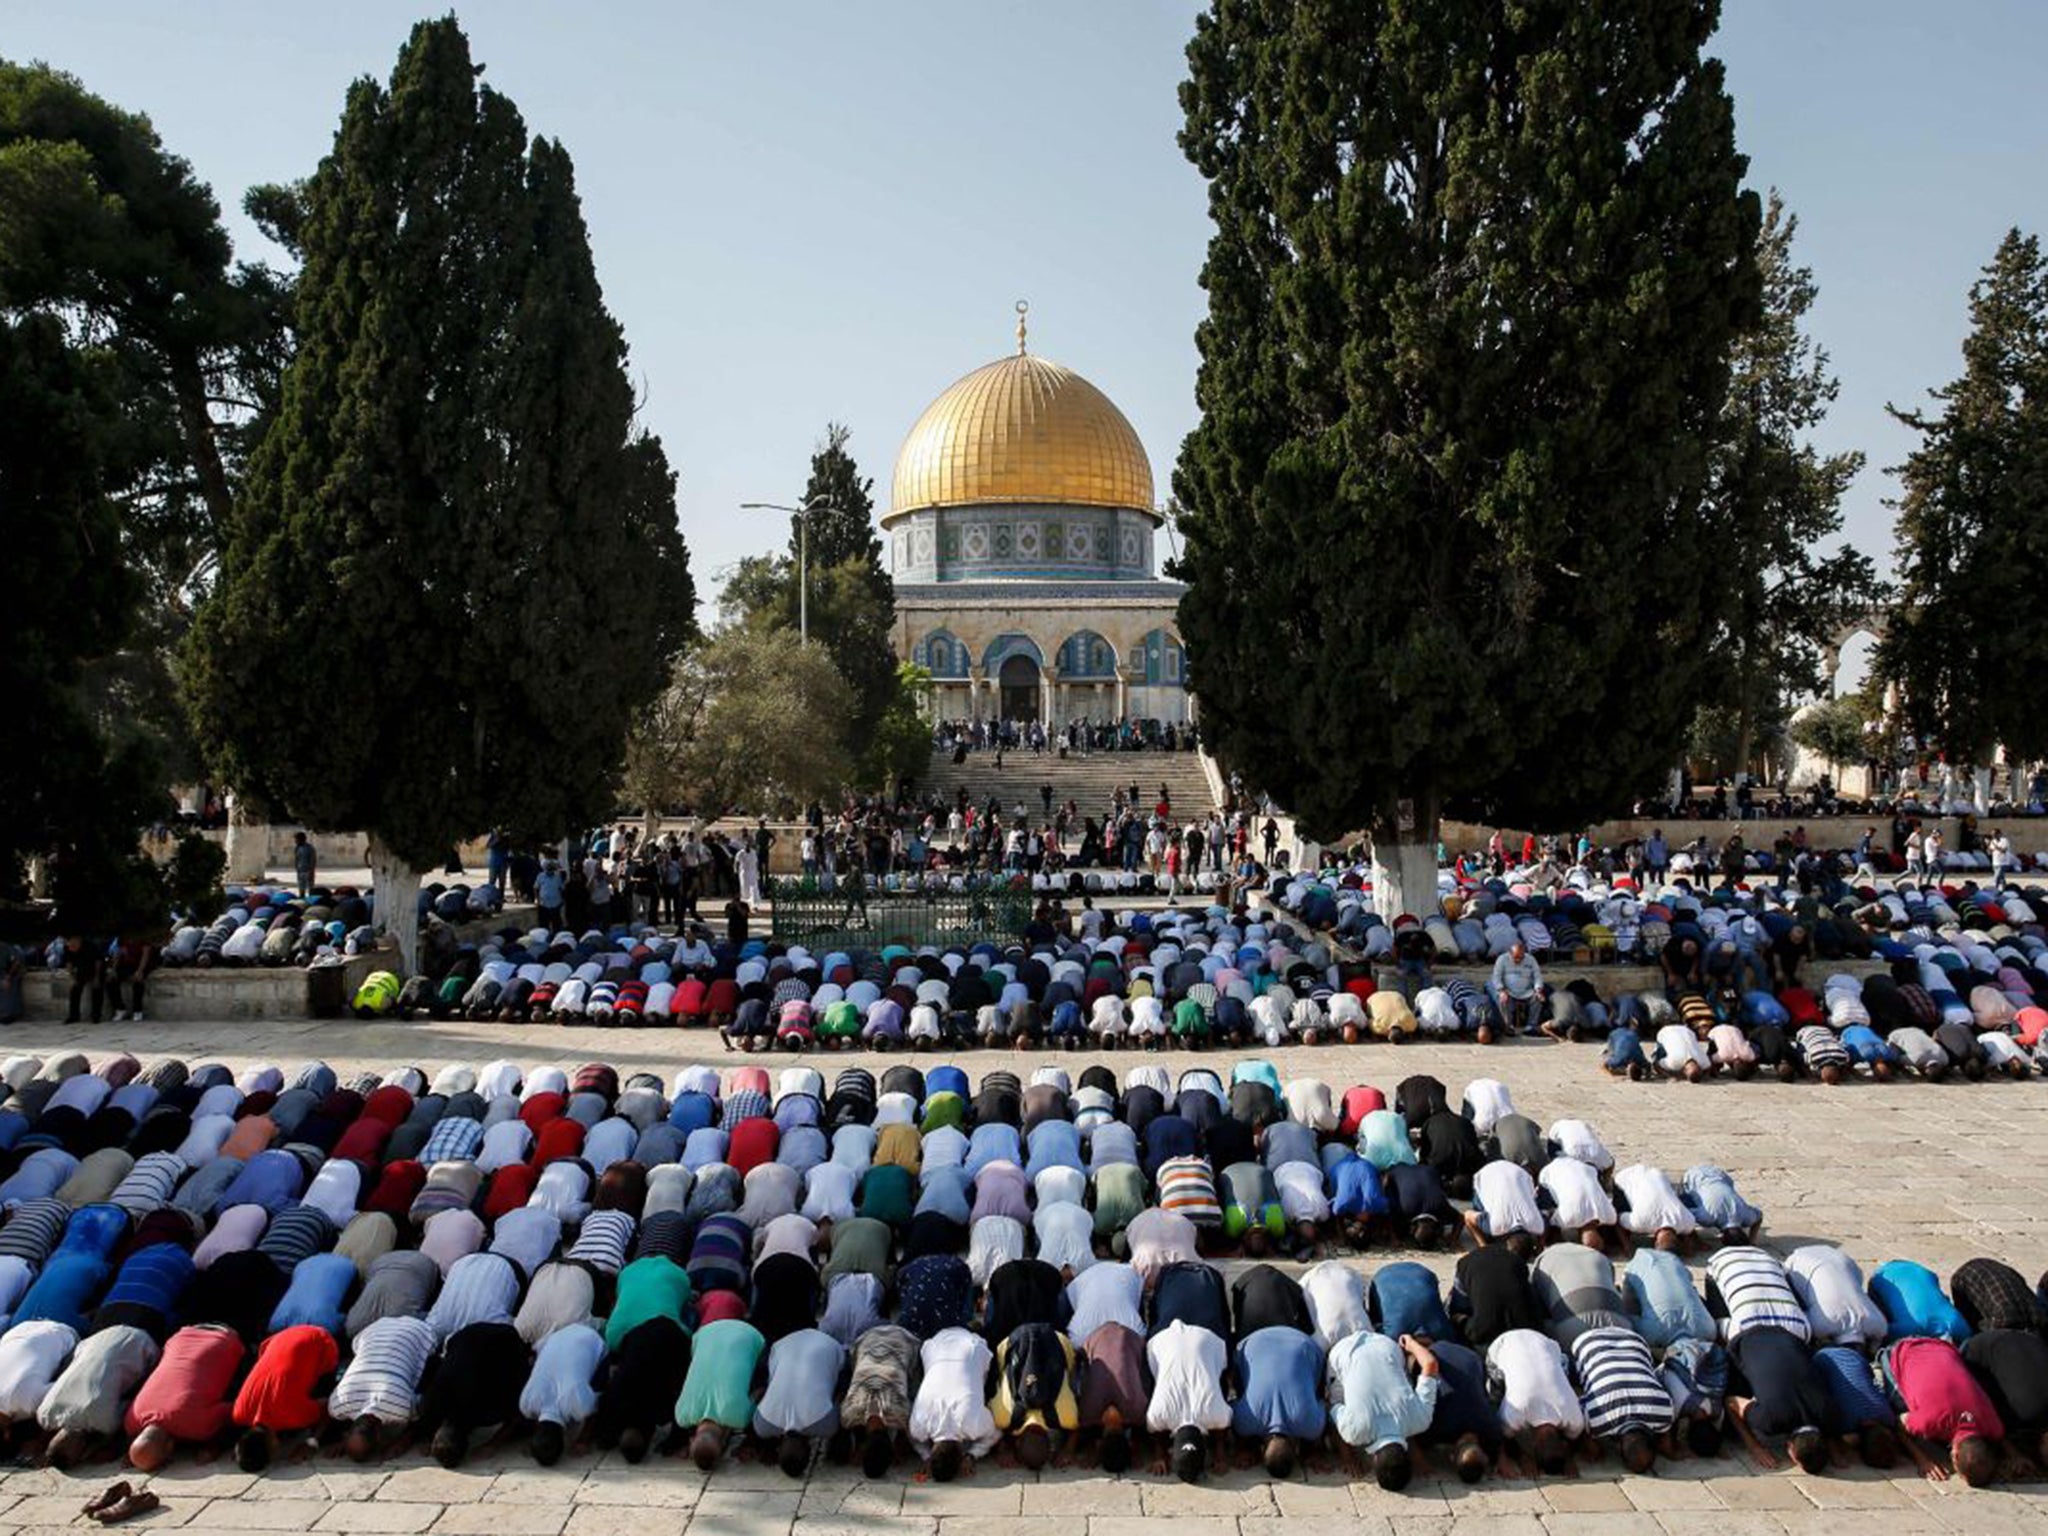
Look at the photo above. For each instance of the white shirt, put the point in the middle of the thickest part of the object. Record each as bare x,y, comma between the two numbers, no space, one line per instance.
31,1355
1577,1199
1336,1301
1677,1045
1158,1238
1534,1389
1507,1195
1831,1290
1487,1103
950,1402
785,1234
1065,1234
1104,1293
1653,1204
1302,1196
1575,1138
991,1243
828,1192
1187,1380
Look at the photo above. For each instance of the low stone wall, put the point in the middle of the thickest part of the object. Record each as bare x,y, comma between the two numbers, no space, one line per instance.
208,996
2029,834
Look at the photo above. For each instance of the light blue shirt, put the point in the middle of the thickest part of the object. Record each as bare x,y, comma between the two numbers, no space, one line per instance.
1379,1406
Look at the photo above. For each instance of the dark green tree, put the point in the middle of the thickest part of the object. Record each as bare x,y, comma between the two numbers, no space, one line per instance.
842,506
1783,500
1474,280
455,574
1973,531
104,230
70,792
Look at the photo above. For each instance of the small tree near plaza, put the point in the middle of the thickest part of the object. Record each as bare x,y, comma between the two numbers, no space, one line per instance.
454,575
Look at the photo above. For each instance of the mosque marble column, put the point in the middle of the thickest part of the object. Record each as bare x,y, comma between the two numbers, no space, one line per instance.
974,680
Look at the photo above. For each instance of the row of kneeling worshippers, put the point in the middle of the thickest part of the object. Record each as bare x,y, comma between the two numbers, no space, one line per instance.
1135,977
921,1265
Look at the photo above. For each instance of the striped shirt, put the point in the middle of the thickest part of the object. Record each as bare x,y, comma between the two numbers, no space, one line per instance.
295,1234
383,1379
1618,1383
604,1241
1747,1288
1187,1187
148,1185
33,1229
1821,1047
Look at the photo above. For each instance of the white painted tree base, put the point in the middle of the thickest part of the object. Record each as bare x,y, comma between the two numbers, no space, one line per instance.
395,904
1404,879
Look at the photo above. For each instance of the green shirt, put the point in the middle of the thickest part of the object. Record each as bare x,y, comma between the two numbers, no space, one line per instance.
720,1386
648,1288
944,1109
860,1246
1119,1196
888,1194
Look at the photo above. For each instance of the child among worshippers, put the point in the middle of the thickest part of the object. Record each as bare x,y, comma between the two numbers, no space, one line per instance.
1710,1194
1375,1406
717,1396
874,1412
281,1394
1540,1413
799,1405
950,1420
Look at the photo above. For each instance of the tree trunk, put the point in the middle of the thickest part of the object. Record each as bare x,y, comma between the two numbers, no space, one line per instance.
248,845
1404,869
195,424
395,903
1980,781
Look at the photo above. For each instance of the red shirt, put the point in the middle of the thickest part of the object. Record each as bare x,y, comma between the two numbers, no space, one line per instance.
279,1391
541,1108
391,1104
753,1143
396,1188
1358,1103
690,997
1943,1400
187,1393
557,1139
510,1188
363,1141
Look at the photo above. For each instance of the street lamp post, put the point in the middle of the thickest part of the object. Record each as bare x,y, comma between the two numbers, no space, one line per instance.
802,515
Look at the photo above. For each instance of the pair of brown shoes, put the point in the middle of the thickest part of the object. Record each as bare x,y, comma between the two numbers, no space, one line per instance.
120,1502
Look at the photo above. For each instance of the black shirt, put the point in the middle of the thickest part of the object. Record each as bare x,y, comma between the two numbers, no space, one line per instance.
1491,1295
2012,1364
482,1371
1189,1292
1450,1145
1263,1297
1024,1291
1414,1191
1790,1395
1993,1295
1419,1097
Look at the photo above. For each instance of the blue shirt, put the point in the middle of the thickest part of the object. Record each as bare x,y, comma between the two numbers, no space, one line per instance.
1279,1372
1853,1385
1463,1405
270,1179
1668,1306
1404,1299
1054,1144
320,1285
154,1278
60,1292
1715,1200
1355,1189
1913,1304
1380,1405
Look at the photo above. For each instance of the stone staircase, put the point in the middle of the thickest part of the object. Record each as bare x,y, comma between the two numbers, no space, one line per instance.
1090,782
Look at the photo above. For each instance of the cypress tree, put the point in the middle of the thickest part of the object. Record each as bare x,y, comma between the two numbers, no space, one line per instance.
1475,276
454,574
1973,531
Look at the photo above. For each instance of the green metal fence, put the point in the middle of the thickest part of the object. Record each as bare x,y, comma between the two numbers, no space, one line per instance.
842,918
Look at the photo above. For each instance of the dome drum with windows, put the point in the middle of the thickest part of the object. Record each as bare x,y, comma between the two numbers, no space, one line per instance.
1021,530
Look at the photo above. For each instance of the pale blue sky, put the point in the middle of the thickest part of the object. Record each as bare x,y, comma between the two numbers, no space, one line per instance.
815,211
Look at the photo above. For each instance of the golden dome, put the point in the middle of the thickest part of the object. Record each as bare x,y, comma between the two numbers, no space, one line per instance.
1022,430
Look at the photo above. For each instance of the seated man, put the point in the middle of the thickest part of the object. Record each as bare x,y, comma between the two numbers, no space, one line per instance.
1375,1407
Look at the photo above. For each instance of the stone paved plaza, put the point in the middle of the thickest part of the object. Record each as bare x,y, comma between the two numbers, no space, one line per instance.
1933,1172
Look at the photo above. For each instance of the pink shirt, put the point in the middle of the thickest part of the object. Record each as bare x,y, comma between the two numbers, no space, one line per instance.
1943,1400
